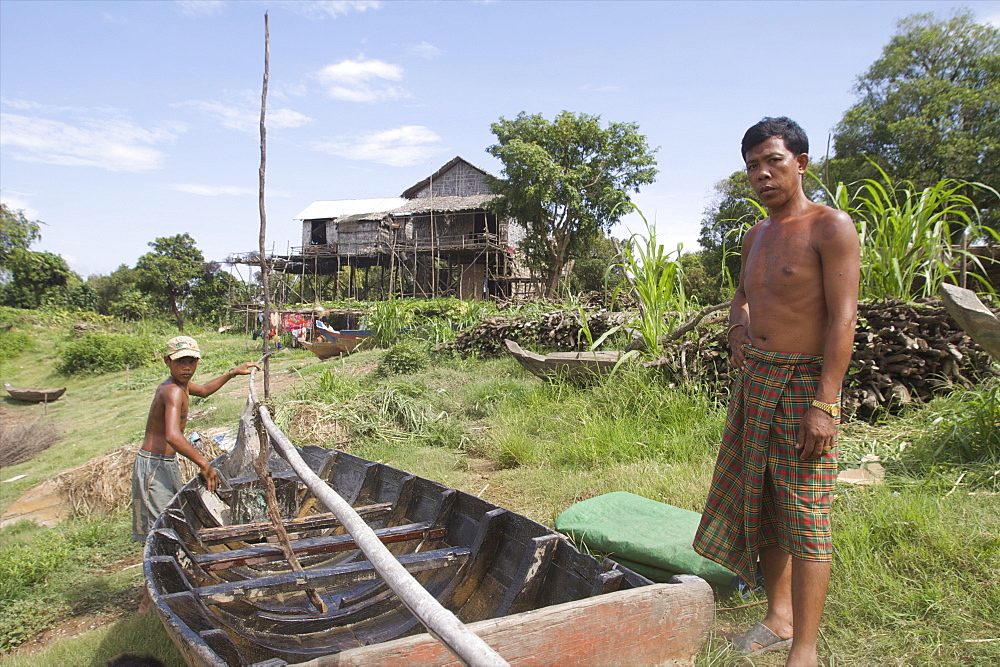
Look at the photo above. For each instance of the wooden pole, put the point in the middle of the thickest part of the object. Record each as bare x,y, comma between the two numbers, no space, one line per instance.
263,215
441,623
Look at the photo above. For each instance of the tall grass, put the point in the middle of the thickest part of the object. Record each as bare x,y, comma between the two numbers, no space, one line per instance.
908,235
658,280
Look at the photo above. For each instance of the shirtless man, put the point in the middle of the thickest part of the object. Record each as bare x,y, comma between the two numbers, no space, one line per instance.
791,332
156,477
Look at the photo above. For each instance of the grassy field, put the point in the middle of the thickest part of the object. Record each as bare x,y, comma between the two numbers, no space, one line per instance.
916,578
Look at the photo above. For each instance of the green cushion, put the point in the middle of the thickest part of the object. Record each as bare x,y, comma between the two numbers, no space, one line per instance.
644,535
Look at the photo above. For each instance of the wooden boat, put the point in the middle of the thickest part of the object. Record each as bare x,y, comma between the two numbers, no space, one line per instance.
227,595
973,316
35,395
344,342
565,365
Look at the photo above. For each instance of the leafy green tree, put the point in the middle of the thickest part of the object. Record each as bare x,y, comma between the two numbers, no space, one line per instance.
170,272
37,279
733,206
214,291
590,271
16,232
565,181
928,108
111,289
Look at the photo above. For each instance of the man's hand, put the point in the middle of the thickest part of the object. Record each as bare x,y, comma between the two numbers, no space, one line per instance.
738,337
211,478
817,434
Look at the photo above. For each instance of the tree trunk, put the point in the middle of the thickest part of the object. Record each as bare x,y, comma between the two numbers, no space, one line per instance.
177,313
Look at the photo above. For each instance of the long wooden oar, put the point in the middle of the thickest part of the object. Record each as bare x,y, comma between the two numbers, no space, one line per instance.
441,623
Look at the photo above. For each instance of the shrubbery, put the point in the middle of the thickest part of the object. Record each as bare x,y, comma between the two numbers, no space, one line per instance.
403,358
13,343
104,353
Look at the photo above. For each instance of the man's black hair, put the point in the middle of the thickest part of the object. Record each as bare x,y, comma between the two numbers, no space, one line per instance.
795,137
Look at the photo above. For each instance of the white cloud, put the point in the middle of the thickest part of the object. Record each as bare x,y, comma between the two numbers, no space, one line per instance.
425,50
15,202
245,117
399,147
362,80
213,190
201,7
602,89
335,8
992,19
113,144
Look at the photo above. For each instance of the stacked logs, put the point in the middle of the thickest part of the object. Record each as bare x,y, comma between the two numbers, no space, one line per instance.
554,330
903,351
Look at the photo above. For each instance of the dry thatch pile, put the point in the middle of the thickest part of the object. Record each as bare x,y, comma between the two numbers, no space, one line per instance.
103,484
22,439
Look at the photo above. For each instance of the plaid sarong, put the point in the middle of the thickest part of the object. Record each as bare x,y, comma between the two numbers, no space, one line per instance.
762,493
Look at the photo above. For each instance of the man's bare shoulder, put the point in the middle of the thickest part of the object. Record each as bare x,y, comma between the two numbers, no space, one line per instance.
832,224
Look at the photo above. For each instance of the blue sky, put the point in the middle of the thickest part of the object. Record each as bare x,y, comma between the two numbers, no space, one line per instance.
127,121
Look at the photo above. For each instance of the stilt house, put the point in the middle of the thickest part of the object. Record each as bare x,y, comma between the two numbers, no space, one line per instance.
437,239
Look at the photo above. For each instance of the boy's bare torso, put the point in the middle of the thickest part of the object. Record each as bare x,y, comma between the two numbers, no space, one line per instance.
156,423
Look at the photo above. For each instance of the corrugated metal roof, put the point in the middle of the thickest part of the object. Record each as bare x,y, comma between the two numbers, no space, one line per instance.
322,210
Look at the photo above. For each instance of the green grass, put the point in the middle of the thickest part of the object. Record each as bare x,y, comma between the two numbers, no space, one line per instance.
917,565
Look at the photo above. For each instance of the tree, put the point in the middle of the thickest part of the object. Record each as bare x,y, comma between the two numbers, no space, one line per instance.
565,182
590,271
170,271
37,279
928,107
722,227
16,231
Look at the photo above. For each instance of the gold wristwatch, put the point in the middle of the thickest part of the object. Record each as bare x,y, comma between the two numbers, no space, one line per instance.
832,409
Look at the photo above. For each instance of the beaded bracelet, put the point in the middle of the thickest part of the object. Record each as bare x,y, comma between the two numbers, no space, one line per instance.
738,324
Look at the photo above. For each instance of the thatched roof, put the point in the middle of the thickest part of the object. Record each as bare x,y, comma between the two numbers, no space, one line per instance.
443,204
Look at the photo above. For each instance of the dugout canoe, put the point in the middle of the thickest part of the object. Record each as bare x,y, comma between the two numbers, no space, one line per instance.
34,395
973,316
565,365
344,343
227,596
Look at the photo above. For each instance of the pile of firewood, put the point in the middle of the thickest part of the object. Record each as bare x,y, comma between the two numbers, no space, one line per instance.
902,352
554,330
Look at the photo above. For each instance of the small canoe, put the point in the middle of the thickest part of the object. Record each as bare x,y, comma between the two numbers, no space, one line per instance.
973,316
35,395
565,365
343,343
227,594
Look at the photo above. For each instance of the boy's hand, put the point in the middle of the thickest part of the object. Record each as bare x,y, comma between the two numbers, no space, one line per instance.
244,368
211,478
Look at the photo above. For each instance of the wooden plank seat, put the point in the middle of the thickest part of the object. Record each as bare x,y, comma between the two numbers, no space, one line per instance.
266,553
321,578
261,530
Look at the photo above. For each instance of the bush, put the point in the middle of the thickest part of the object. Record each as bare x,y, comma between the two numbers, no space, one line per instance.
104,353
403,358
12,343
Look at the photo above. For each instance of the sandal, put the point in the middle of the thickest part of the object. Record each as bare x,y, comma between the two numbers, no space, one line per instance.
762,636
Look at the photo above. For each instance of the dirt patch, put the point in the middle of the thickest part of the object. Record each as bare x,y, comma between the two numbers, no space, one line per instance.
23,438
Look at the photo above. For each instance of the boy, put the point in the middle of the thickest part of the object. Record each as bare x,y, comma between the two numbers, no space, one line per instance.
156,479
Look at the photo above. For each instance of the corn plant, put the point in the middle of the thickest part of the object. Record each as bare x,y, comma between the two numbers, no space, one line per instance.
657,278
907,234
